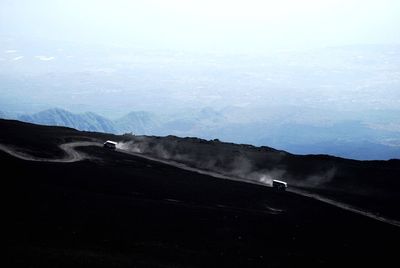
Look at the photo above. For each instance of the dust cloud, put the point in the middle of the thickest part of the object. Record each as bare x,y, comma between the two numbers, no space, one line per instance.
233,160
237,166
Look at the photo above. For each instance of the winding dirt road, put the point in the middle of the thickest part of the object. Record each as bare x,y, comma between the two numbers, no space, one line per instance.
73,156
69,148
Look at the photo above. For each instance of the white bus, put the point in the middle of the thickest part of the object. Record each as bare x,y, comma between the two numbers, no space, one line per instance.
110,145
279,185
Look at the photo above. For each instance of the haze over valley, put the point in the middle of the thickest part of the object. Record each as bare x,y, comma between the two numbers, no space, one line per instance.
342,101
308,76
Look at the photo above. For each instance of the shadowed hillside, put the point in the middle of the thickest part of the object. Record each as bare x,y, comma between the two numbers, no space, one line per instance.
118,210
373,185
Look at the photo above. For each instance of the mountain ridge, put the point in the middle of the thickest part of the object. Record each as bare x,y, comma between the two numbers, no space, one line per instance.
349,139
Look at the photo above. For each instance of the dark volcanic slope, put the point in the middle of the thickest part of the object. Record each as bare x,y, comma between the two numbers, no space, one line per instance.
372,186
119,210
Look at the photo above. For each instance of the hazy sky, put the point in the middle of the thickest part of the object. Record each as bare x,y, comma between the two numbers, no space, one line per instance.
205,25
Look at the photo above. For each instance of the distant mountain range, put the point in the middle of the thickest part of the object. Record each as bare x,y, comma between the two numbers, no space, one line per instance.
58,117
136,122
349,139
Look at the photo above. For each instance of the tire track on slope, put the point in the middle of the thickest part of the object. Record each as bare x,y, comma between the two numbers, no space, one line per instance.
72,155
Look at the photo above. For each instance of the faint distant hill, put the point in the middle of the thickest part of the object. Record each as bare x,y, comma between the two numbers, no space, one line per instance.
5,115
138,122
59,117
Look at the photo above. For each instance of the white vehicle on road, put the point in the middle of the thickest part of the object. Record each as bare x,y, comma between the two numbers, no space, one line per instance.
110,145
279,185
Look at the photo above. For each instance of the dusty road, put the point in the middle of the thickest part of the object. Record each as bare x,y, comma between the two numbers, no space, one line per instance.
69,148
185,167
72,155
344,206
290,189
